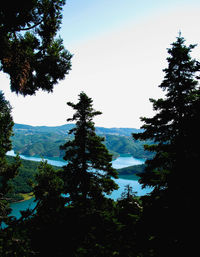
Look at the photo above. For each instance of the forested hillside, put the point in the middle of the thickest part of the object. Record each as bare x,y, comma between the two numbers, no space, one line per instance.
63,129
131,172
45,141
22,183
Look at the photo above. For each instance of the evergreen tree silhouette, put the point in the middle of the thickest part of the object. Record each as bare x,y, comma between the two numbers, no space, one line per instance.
89,172
168,211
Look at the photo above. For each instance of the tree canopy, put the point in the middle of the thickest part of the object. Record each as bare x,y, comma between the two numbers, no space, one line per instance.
89,170
7,171
168,210
29,50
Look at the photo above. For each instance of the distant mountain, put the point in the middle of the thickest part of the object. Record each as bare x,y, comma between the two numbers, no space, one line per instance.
45,141
117,131
131,172
21,128
63,129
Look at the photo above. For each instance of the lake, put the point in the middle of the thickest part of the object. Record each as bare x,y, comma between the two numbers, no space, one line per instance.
120,162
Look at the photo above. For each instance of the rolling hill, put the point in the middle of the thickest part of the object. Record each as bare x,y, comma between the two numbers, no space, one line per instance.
45,141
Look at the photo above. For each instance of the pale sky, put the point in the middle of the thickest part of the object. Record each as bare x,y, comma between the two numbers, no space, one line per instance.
119,49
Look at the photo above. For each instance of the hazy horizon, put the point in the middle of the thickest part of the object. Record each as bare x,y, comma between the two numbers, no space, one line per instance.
67,123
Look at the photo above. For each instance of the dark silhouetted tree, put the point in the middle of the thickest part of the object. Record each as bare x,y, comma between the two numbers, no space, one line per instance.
45,225
29,51
88,177
34,59
72,202
7,171
89,172
129,210
48,190
169,210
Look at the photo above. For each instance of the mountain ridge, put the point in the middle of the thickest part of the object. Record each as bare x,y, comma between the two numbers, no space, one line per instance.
66,127
46,141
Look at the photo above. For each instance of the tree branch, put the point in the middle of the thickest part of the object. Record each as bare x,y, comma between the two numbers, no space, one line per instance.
31,27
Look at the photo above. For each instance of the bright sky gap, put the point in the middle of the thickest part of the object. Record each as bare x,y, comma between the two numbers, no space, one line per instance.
119,49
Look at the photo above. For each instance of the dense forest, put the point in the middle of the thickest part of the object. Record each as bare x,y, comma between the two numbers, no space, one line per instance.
73,215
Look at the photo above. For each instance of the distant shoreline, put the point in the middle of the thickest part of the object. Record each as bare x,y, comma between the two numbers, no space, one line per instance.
30,195
26,197
57,164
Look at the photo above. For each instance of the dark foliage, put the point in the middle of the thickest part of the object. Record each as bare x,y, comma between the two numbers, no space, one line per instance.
7,172
90,224
29,51
169,210
89,171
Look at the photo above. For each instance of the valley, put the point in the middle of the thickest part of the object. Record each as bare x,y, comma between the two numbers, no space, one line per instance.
36,142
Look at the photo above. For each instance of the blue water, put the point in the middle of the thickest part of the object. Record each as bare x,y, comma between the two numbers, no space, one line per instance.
120,162
52,161
21,206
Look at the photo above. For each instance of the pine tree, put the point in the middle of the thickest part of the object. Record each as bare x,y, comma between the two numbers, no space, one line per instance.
72,202
48,191
30,53
7,172
44,226
89,172
129,210
168,210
